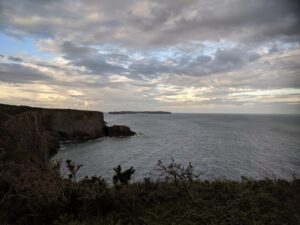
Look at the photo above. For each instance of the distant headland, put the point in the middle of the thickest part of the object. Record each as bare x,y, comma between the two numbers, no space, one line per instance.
139,112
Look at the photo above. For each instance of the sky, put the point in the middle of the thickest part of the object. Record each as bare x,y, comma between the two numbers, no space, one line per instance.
193,56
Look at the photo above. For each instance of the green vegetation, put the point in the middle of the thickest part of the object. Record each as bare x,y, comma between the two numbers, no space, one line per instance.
120,178
30,195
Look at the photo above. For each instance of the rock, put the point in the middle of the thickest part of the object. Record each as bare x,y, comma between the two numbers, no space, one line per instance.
118,131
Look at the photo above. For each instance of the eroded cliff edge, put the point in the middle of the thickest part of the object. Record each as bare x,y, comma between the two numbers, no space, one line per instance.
29,134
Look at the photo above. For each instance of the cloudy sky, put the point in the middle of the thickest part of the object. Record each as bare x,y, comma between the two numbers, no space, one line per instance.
220,56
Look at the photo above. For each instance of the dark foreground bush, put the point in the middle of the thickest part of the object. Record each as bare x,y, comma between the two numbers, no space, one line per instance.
31,196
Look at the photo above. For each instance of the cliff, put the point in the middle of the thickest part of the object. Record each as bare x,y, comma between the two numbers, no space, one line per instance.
30,134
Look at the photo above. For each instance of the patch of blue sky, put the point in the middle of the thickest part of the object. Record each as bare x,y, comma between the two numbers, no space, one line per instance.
193,49
288,45
12,46
211,47
277,46
164,54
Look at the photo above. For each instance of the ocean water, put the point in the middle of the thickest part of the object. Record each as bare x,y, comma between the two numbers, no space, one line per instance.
218,146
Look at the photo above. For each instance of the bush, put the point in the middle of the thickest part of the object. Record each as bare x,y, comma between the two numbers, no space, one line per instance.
120,178
30,195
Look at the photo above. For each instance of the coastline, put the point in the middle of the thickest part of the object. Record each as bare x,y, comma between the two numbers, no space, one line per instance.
32,135
35,194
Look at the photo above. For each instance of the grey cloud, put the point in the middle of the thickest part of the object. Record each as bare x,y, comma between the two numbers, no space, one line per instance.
16,73
286,78
224,60
73,51
235,56
239,20
49,66
275,73
98,65
145,29
168,22
203,59
91,59
149,67
14,59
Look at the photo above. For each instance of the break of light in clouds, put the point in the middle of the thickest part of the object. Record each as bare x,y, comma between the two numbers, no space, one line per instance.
240,56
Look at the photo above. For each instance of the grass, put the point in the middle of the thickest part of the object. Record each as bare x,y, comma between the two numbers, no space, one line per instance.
29,195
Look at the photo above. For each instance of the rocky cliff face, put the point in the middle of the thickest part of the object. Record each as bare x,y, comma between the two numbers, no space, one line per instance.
24,139
75,125
33,134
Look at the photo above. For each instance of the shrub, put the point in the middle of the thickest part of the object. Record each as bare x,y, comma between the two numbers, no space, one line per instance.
73,169
31,195
122,178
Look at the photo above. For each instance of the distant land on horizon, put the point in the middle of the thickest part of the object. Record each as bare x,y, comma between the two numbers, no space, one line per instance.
139,112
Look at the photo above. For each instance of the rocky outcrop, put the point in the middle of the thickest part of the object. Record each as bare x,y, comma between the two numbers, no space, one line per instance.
118,131
33,134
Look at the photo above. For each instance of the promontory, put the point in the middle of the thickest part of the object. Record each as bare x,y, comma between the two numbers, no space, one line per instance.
29,134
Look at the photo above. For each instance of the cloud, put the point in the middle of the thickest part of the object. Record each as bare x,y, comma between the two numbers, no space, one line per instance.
117,62
224,60
98,65
153,23
175,55
15,59
242,21
16,73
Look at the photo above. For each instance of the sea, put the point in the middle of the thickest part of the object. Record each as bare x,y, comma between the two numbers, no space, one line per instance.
219,146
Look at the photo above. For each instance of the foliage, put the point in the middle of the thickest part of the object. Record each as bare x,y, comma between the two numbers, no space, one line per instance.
30,195
73,169
122,178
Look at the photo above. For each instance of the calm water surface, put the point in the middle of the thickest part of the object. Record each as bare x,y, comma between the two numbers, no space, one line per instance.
219,146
